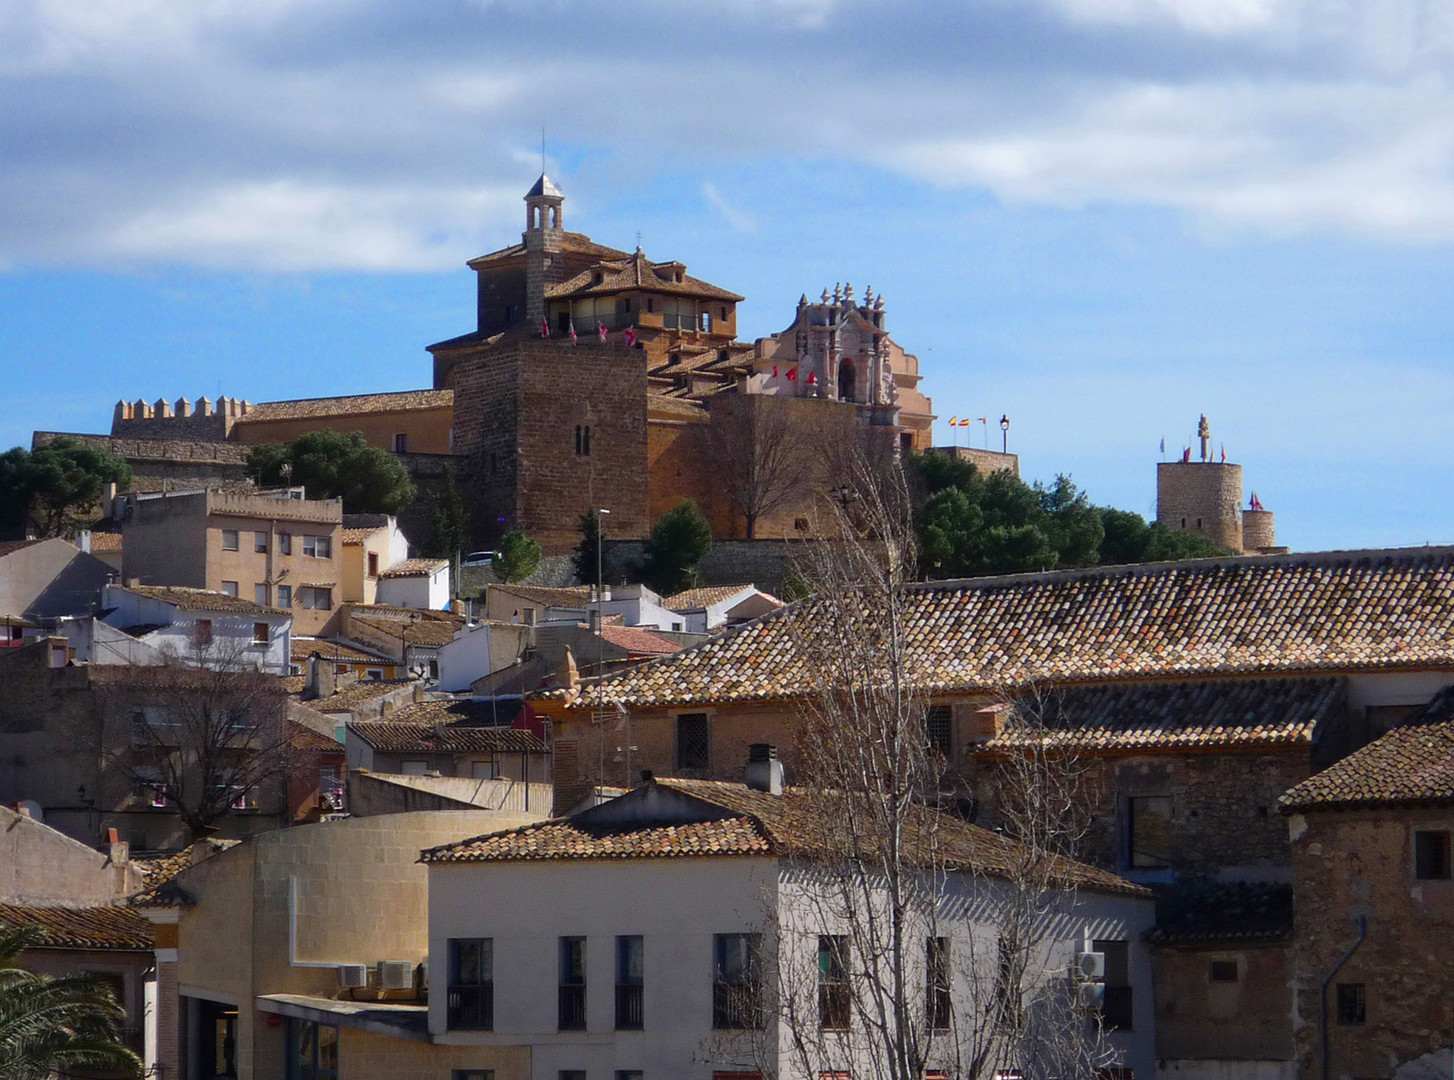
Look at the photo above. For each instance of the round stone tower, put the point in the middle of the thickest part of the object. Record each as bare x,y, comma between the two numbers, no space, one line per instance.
1202,497
1257,530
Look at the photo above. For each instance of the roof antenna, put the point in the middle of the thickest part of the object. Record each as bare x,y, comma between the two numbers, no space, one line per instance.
542,149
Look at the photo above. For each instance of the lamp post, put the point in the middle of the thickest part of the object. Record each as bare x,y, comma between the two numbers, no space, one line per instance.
1005,433
600,639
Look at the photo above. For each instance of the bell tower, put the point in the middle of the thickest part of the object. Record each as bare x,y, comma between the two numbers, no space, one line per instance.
544,225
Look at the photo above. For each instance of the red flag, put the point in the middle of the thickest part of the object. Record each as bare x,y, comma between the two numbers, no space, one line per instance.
544,328
1255,503
601,329
630,335
983,419
774,371
573,330
965,422
812,378
792,374
1186,454
1224,453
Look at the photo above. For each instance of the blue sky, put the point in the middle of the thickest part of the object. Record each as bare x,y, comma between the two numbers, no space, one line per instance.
1100,217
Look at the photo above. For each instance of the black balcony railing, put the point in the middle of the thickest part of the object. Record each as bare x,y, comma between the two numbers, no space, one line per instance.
472,1007
572,1007
834,1010
1116,1009
736,1006
630,1013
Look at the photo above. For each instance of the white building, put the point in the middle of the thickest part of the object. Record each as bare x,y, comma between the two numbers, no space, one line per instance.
715,606
211,629
416,583
616,942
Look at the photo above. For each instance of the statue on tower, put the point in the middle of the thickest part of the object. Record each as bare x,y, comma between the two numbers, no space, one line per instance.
1204,432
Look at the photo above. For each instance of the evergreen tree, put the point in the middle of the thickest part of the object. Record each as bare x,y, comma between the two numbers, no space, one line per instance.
519,557
679,540
330,465
448,529
55,489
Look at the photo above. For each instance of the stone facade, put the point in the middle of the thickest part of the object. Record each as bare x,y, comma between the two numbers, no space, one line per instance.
1201,497
1351,864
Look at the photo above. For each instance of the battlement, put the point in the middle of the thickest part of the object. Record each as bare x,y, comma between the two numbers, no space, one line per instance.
202,420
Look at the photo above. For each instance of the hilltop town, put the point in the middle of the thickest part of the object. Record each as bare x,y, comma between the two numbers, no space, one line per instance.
332,792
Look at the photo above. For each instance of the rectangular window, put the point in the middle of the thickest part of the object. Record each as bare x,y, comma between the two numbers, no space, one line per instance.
1116,1011
572,1074
315,599
471,995
202,632
401,443
1222,971
724,314
229,588
313,1053
260,542
259,633
737,982
692,741
706,322
629,1074
285,543
260,595
486,769
472,1074
285,596
1149,834
939,728
572,1011
373,564
936,983
630,955
229,539
320,547
1352,1004
834,1004
1008,1001
414,768
1431,855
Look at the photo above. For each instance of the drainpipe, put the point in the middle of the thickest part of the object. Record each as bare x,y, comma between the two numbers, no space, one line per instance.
1362,922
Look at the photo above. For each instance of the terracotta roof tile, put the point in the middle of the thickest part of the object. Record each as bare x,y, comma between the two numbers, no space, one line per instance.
1413,763
1204,912
1175,715
1334,611
461,735
108,926
696,599
356,694
357,536
415,568
569,596
636,271
340,651
349,405
105,541
12,546
638,641
185,599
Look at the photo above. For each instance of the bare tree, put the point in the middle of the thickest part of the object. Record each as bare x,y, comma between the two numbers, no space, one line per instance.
200,741
757,456
866,978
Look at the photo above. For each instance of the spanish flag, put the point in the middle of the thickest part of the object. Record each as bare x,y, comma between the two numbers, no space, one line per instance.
954,421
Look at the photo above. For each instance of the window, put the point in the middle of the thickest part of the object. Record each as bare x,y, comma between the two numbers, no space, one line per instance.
692,741
373,564
285,596
315,599
202,633
486,769
623,305
1222,971
401,443
340,669
583,440
285,543
939,727
229,539
331,787
629,977
374,673
724,314
650,303
472,1074
260,542
260,595
313,1052
414,768
936,983
1352,1004
259,633
471,996
1149,831
676,627
705,324
629,1074
736,983
1431,855
1116,1010
800,524
1008,1003
320,547
572,1074
148,788
833,1000
229,588
572,1014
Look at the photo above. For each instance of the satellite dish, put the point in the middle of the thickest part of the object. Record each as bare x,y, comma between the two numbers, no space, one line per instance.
31,807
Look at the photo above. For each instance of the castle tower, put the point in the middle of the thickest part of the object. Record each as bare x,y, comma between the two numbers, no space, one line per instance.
544,227
1202,497
1258,532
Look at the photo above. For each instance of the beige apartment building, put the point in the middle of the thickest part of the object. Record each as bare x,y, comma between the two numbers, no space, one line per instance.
275,548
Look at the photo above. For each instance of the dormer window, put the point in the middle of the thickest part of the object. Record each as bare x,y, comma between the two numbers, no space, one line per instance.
597,278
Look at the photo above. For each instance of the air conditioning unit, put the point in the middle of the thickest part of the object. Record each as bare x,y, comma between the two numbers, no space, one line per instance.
1089,965
353,976
396,975
1090,995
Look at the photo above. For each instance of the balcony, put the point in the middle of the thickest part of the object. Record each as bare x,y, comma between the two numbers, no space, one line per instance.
630,1011
471,1007
834,1007
736,1006
572,1007
1116,1009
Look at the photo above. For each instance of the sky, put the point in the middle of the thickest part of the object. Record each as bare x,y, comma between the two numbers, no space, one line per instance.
1099,218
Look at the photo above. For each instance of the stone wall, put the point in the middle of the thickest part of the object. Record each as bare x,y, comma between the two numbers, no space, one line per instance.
986,461
1202,497
1352,863
167,464
1200,1022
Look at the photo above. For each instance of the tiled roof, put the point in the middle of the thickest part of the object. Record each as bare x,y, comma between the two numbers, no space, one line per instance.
1334,611
568,596
107,926
359,693
1148,715
304,647
349,405
415,568
305,738
185,599
696,599
12,546
445,727
751,823
1413,763
635,271
105,541
660,404
638,641
357,536
424,632
1209,911
571,242
160,869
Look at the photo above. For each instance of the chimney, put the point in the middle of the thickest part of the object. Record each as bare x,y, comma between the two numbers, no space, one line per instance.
764,770
118,849
989,721
320,680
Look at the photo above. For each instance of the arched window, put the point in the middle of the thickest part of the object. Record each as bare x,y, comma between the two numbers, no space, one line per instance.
846,381
583,440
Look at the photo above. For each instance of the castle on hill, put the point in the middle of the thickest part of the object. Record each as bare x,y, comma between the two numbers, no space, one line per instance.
1205,497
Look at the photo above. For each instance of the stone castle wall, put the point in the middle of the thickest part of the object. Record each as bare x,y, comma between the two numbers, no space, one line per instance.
1202,497
1258,531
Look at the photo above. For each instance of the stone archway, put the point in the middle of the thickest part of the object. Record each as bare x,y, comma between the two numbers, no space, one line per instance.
847,380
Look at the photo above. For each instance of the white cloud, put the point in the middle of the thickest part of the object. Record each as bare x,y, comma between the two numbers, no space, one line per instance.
740,221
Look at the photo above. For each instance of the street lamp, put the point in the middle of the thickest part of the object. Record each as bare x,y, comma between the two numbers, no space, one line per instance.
600,579
1005,433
